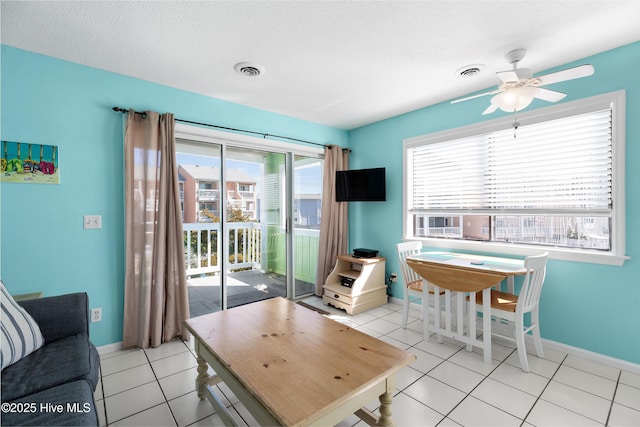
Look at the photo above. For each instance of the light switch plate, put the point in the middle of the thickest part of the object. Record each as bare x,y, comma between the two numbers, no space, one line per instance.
92,222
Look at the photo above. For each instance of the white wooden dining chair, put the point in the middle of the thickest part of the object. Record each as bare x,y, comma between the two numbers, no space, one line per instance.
513,307
413,282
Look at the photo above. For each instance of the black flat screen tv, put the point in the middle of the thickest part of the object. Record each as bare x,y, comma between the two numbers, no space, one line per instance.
361,185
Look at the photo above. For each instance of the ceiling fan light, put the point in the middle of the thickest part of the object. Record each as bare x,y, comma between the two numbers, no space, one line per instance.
515,99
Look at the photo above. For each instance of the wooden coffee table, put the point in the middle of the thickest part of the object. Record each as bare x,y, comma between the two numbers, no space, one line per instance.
292,366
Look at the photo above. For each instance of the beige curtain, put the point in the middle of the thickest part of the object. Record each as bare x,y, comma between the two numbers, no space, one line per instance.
334,225
155,295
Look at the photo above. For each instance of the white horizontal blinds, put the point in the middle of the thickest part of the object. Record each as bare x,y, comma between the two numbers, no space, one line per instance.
559,166
562,165
449,174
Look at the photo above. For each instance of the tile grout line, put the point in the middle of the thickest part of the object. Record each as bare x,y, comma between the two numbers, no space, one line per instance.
575,388
192,353
587,391
483,380
478,385
613,398
445,416
539,396
104,400
124,391
160,387
231,405
157,381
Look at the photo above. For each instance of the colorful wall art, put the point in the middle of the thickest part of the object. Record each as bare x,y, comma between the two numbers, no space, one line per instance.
22,162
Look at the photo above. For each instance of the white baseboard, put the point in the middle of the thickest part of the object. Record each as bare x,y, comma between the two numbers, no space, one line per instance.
574,351
110,348
593,356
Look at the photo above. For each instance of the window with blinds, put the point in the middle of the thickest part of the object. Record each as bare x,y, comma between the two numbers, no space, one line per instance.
547,182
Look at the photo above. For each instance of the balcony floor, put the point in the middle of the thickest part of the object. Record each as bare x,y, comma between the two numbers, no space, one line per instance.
243,287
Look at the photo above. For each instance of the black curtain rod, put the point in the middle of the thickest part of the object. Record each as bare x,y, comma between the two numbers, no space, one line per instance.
264,135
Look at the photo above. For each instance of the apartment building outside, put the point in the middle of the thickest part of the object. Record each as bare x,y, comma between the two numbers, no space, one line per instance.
200,192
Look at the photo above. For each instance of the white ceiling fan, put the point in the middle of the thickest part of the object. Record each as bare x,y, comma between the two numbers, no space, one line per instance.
518,87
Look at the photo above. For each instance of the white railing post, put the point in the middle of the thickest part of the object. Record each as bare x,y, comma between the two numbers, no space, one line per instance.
200,267
250,232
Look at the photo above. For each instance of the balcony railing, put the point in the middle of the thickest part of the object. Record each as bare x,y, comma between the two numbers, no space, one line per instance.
251,245
208,195
444,231
203,246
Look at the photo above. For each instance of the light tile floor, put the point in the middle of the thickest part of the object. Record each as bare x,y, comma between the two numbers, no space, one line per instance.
446,386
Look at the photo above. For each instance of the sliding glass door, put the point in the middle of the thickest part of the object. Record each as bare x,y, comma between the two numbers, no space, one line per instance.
200,178
251,223
256,225
307,204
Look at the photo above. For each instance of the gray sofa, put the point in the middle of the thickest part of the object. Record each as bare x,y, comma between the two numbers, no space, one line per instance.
54,385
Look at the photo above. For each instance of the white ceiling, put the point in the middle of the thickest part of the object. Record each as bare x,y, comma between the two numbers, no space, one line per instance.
338,63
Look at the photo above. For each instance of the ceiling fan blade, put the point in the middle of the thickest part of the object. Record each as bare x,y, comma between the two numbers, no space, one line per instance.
508,76
493,107
549,95
568,74
493,92
514,76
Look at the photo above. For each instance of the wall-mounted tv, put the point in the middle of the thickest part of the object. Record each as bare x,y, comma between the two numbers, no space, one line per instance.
361,185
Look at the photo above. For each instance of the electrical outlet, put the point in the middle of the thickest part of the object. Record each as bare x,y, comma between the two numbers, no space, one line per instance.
96,315
393,277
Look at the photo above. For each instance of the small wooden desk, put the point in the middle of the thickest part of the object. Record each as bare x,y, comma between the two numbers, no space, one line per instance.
463,274
292,366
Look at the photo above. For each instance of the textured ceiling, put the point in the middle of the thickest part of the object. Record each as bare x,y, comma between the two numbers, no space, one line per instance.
338,63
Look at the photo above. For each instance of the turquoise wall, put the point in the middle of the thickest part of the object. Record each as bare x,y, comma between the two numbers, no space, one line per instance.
44,247
593,307
49,101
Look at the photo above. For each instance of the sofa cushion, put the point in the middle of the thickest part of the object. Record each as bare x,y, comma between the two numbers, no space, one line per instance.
20,334
69,404
55,363
60,316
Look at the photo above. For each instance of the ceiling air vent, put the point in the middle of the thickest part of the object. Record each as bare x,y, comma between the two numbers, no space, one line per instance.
469,70
249,70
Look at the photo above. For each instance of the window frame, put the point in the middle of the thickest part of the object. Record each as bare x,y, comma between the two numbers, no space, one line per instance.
616,256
